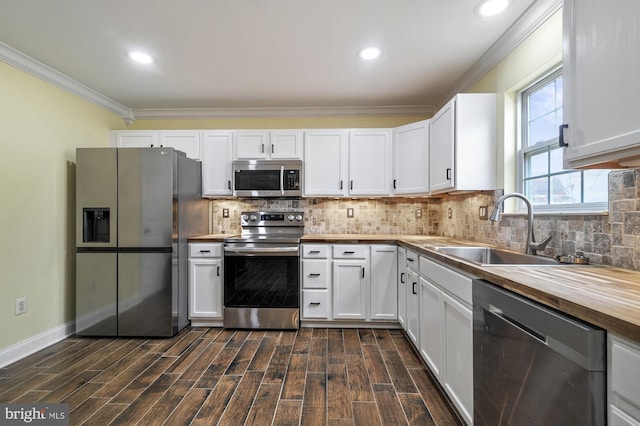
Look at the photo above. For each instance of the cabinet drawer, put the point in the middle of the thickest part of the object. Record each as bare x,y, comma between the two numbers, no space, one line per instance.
450,281
315,304
315,251
315,273
205,250
350,251
412,260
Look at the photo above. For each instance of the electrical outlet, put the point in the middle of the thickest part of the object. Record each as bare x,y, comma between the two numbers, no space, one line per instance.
21,305
449,213
418,213
483,212
225,212
350,212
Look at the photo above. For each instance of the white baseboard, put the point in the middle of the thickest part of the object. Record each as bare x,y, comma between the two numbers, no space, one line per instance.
38,342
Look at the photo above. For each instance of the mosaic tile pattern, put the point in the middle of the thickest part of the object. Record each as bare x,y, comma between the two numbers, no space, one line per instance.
612,239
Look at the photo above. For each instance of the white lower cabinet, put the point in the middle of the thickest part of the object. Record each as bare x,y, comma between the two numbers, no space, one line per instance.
316,282
205,283
623,375
413,306
350,282
402,286
384,293
446,331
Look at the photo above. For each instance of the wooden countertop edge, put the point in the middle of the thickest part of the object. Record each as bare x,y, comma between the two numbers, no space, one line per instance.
210,238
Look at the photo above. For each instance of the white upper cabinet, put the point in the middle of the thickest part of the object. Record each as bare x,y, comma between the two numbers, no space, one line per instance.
601,90
411,159
369,162
325,163
187,141
462,144
264,144
217,156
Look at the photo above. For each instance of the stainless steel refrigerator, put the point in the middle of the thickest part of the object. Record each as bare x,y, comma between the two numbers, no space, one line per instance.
135,210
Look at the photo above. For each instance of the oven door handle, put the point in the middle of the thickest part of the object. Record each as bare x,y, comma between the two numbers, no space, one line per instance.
262,251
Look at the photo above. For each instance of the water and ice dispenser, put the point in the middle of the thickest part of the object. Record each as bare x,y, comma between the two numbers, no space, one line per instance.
95,225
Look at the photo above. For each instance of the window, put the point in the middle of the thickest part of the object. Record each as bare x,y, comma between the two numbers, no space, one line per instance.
545,182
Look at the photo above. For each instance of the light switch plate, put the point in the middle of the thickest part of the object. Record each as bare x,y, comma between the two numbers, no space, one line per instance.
350,212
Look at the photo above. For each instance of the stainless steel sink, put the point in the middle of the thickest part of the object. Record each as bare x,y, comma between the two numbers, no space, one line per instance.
486,256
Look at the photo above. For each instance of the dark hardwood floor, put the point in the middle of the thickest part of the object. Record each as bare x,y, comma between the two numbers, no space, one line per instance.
212,376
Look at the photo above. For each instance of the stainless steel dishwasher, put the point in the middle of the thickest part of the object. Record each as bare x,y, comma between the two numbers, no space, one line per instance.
533,365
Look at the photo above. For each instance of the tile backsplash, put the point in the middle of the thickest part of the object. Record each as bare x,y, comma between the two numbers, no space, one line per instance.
609,239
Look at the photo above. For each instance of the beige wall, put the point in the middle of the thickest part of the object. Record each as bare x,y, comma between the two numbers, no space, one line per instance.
40,128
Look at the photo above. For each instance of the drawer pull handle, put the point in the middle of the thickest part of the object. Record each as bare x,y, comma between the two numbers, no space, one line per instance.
410,259
348,252
314,275
314,303
205,251
314,251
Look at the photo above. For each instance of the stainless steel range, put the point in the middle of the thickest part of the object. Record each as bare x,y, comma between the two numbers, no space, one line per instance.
261,280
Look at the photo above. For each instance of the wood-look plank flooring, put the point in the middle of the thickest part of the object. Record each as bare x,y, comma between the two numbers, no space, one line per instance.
213,376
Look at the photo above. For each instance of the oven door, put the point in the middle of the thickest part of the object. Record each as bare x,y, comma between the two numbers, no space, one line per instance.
261,284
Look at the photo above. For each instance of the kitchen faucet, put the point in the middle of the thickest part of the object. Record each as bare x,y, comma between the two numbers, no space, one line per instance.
532,246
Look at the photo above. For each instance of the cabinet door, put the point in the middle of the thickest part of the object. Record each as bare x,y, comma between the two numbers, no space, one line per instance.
251,145
402,287
135,139
411,158
286,144
441,148
413,306
623,375
205,288
431,325
601,85
458,358
349,290
369,162
324,163
186,141
384,287
217,157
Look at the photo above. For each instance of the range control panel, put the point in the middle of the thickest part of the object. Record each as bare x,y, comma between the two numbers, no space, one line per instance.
295,218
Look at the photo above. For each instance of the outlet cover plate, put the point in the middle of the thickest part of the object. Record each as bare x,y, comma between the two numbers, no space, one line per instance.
21,305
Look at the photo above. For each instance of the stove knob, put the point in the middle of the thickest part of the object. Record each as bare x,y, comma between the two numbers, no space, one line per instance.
290,217
245,217
299,217
253,217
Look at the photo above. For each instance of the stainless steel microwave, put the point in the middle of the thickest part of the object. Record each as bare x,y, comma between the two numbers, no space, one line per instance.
267,178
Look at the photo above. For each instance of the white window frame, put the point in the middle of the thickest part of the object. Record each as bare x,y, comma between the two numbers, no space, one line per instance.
571,208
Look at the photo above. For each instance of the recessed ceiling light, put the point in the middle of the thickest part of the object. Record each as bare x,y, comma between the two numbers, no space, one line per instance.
491,7
141,57
369,53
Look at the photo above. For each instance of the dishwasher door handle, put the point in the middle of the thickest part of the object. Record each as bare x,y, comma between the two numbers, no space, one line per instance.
523,328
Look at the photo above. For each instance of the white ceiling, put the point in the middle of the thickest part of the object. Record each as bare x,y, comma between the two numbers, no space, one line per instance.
265,53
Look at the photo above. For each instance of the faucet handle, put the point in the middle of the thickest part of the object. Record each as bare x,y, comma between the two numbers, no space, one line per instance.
541,245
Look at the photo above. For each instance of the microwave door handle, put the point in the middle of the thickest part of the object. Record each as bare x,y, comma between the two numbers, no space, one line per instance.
282,180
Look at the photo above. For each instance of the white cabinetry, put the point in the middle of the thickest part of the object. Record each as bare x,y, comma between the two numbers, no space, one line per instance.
413,300
601,85
462,144
448,303
369,162
402,286
384,293
265,144
350,281
623,375
205,284
316,281
325,164
187,141
217,156
411,159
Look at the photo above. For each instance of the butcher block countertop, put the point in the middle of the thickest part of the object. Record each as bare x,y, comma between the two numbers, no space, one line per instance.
604,296
210,238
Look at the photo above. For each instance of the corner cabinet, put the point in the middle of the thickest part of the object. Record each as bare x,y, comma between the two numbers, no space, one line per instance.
601,86
411,159
205,284
462,144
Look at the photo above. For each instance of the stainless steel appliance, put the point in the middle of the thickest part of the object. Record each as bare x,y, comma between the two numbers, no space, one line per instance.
267,178
261,279
135,209
534,365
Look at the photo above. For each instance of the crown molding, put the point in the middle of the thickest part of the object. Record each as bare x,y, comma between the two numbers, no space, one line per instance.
531,20
37,69
169,113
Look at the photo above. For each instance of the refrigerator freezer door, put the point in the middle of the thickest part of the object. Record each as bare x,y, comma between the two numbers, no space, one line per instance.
147,185
96,197
147,295
96,294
